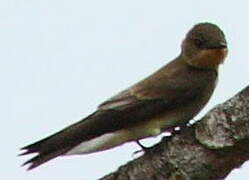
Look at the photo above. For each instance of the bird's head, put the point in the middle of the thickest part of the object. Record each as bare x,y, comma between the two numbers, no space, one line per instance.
205,46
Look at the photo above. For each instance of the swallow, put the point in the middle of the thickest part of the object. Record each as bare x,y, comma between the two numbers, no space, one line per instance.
170,97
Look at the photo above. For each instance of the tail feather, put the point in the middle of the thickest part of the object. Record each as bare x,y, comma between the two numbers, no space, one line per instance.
63,141
42,158
56,144
44,154
32,148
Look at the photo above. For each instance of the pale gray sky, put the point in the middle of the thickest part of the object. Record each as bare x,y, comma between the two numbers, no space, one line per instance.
60,59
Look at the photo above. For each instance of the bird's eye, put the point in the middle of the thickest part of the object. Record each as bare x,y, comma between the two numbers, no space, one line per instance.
199,42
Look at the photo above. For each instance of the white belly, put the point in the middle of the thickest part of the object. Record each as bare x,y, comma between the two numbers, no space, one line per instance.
100,143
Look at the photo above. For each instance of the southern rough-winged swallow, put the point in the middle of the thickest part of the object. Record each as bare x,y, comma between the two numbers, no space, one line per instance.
168,98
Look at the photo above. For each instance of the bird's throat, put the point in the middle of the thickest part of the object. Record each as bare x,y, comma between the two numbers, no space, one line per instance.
208,58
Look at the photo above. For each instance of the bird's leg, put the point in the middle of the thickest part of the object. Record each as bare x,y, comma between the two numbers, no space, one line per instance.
173,132
143,148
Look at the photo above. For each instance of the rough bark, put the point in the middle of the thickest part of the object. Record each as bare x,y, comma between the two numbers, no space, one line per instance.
207,150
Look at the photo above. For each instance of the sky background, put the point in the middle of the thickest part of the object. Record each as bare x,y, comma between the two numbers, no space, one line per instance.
59,59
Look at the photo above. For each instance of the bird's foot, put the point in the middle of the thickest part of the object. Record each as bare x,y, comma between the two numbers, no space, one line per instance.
179,129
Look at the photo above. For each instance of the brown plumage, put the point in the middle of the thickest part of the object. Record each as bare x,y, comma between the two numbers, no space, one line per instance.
168,98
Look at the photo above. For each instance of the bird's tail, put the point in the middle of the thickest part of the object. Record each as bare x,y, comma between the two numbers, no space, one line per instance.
63,141
47,149
56,144
41,157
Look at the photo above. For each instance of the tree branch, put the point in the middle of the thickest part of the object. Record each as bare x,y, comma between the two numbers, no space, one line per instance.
207,150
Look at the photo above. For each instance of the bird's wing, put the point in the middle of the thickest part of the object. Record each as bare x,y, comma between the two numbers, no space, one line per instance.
169,93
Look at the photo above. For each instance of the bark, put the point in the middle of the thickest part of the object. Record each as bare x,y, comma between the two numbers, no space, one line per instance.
207,150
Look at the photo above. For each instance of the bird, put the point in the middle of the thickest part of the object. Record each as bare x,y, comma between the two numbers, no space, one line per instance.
168,98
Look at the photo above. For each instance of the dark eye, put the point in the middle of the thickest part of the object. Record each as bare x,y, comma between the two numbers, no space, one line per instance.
199,42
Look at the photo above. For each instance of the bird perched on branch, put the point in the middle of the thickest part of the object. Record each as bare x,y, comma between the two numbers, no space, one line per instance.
168,98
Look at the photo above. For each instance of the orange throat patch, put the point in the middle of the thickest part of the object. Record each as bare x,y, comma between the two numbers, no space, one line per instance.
209,58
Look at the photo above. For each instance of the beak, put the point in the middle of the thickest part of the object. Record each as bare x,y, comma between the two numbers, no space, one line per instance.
219,45
222,45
